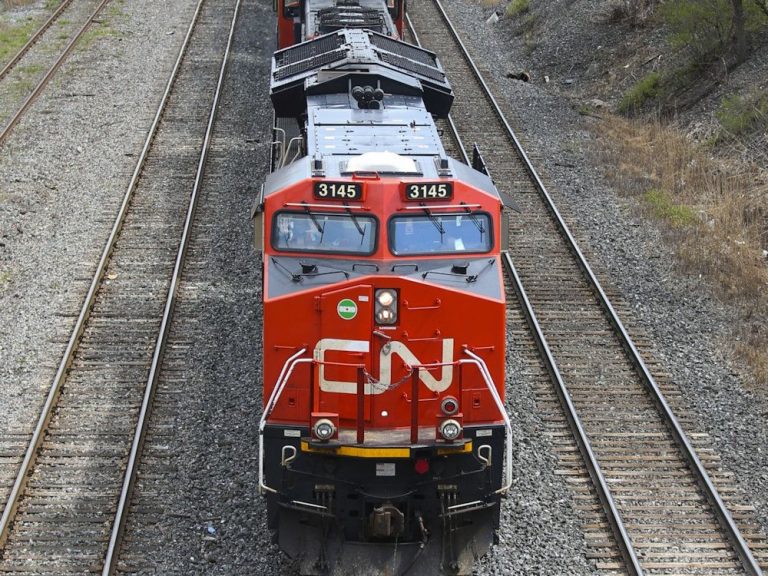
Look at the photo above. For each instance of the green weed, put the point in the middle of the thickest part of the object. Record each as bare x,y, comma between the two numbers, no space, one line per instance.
5,279
32,69
644,90
13,37
663,207
96,32
22,87
8,4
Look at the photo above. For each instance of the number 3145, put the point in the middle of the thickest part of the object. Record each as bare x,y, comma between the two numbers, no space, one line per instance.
428,191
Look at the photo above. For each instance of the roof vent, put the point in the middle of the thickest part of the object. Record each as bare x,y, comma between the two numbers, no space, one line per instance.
386,162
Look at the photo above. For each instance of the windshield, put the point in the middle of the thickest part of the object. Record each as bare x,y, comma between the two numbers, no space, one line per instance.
317,232
440,234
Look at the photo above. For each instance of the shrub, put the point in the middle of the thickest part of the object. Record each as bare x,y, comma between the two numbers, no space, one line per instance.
700,25
705,27
642,91
739,114
636,12
518,7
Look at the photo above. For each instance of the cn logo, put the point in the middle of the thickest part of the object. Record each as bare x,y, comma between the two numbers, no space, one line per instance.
385,365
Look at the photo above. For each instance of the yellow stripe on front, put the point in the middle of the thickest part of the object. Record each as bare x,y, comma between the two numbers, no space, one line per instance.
362,452
455,449
366,452
358,451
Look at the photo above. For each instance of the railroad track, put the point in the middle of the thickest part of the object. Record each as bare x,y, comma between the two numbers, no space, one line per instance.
11,64
28,72
657,501
66,510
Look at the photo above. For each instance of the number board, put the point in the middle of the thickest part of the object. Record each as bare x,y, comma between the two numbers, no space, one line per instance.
338,190
428,191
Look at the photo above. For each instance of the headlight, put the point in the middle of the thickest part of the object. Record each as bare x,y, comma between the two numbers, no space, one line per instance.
385,316
385,297
386,306
450,430
324,429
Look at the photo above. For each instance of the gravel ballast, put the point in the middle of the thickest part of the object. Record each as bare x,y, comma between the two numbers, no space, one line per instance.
214,519
63,173
689,327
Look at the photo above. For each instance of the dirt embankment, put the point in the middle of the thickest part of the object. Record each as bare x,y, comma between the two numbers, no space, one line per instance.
681,127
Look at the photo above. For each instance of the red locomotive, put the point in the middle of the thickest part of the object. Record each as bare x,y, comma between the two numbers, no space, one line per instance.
299,20
384,436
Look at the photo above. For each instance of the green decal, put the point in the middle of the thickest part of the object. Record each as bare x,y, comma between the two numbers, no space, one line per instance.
347,309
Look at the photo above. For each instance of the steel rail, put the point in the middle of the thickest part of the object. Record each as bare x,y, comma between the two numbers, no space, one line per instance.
24,49
54,392
613,515
451,124
582,440
118,526
724,517
44,80
577,429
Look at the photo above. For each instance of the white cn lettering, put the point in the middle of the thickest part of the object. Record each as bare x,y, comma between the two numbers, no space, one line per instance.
385,364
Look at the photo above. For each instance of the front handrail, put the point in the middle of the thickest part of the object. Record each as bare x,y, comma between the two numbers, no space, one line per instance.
291,363
475,359
282,380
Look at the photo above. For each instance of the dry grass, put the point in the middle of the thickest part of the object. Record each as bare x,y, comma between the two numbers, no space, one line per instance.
15,3
714,211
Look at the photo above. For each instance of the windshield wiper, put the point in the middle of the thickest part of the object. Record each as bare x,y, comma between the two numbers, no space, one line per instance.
354,219
435,222
474,277
360,229
475,220
295,277
307,271
312,217
460,271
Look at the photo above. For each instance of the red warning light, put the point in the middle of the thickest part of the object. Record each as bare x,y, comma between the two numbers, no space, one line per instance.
421,466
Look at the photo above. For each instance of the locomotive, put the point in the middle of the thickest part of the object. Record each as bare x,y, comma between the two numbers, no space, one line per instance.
299,20
384,444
